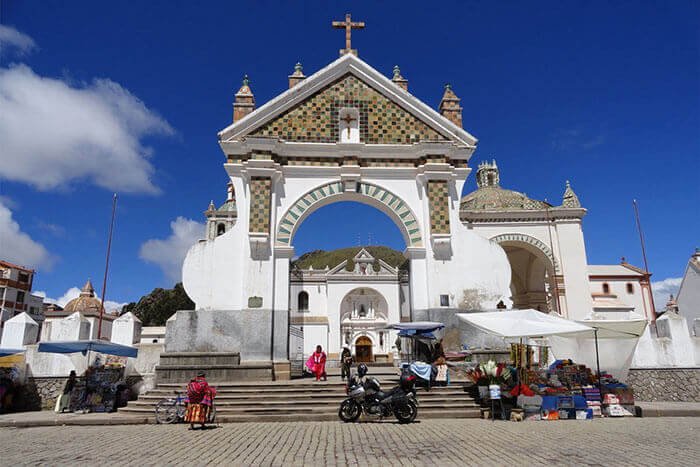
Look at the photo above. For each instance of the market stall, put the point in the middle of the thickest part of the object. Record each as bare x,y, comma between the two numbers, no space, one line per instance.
421,351
102,387
526,388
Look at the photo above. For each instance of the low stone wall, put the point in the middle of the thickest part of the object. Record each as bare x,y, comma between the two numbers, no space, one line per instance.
665,384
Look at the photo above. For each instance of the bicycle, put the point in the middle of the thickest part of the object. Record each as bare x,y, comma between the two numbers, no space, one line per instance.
172,409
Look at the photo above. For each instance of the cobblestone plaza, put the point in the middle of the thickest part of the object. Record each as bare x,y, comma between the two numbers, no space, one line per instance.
654,441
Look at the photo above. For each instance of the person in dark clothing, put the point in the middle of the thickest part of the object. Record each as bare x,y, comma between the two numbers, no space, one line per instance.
345,363
63,401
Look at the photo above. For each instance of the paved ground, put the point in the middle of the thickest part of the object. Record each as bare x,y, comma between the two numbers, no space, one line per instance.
630,441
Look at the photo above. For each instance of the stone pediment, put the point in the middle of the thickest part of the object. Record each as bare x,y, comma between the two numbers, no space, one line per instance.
365,267
309,112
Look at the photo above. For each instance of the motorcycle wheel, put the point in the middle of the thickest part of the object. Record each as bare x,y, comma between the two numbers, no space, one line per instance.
406,412
349,411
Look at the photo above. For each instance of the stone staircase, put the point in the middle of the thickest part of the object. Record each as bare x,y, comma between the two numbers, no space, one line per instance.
307,400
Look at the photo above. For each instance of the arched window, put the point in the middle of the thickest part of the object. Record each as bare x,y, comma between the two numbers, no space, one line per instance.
606,288
630,288
303,301
220,229
363,311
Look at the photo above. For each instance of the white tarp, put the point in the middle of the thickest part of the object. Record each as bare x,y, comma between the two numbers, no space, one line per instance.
523,323
617,339
617,342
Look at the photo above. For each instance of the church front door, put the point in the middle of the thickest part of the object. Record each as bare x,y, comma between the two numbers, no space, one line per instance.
363,350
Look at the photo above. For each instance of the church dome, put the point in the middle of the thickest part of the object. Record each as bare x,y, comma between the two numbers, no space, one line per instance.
85,302
489,196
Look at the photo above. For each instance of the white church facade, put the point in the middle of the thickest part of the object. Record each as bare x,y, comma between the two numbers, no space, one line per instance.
348,133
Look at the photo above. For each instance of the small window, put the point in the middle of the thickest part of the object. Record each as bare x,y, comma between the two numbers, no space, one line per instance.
630,288
606,288
20,297
662,329
363,311
444,300
23,277
220,229
303,301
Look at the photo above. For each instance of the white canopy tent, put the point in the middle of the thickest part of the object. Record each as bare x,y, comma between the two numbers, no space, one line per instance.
613,343
516,324
578,340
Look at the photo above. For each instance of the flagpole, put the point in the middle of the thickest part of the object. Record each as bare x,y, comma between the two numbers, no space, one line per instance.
104,282
644,257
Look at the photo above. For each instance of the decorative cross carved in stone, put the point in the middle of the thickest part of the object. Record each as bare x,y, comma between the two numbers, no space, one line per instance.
348,119
348,25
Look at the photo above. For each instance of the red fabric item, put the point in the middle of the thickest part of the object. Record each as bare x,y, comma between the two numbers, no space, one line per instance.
522,389
198,389
317,364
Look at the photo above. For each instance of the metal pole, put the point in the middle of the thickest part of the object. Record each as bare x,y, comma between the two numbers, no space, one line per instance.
104,282
644,257
597,358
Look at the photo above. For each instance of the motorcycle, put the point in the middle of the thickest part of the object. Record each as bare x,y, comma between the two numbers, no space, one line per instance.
366,396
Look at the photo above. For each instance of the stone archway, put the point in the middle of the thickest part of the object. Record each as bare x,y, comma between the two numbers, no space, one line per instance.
367,193
363,350
534,272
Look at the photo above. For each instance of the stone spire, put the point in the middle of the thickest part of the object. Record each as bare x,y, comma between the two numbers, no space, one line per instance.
449,106
398,79
570,199
296,77
88,290
487,174
245,101
671,305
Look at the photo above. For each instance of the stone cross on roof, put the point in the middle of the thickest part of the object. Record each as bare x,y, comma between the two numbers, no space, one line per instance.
348,25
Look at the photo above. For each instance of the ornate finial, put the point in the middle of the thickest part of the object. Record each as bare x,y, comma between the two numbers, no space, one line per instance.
570,199
623,260
488,174
298,68
88,290
397,72
246,81
448,87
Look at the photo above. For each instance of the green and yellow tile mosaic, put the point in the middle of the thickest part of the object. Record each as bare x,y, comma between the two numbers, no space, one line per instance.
259,219
381,120
439,206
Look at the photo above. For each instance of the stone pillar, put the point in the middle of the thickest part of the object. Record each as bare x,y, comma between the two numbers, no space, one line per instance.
19,331
126,329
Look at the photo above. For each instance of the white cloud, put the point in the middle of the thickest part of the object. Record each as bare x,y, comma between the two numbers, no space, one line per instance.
662,290
169,253
10,38
54,133
74,292
18,247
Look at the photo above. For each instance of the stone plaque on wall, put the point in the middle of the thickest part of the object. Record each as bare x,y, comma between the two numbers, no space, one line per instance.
255,302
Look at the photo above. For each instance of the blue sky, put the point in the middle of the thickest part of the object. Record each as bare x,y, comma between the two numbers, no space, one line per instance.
605,94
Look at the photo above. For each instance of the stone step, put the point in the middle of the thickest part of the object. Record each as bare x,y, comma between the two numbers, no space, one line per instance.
154,396
299,401
333,417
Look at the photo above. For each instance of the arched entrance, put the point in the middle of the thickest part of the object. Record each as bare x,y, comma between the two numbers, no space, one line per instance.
533,272
363,350
373,195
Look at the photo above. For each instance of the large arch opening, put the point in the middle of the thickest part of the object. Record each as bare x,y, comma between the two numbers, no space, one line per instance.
533,272
372,195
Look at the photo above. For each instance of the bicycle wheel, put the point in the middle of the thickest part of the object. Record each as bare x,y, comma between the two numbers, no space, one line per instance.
166,411
211,417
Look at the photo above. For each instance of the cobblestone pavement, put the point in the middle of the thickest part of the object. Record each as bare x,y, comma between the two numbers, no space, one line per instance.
657,441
